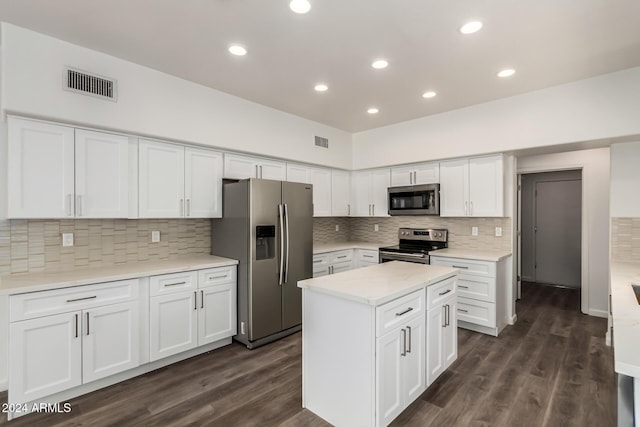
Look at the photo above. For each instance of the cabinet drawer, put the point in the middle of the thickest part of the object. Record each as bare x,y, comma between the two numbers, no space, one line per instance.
216,276
479,312
340,256
174,282
45,303
320,260
477,287
467,266
339,267
399,312
367,256
440,291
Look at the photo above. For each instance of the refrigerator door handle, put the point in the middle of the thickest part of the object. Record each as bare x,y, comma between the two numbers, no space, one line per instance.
281,270
286,221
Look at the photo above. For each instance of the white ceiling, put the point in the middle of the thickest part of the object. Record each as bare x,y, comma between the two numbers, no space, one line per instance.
548,42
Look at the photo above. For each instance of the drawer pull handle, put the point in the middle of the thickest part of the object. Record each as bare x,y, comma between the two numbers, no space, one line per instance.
317,261
343,256
445,292
463,287
82,299
462,310
166,285
367,256
217,277
464,267
404,312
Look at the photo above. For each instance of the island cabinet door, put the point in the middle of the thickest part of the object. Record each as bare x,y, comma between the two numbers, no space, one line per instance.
414,360
435,337
389,399
450,333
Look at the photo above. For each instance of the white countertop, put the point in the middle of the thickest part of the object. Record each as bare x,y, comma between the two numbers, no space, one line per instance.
626,317
320,248
378,284
477,254
21,283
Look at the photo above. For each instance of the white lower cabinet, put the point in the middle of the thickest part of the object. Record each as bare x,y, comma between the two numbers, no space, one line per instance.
343,260
442,329
191,309
90,337
401,369
366,257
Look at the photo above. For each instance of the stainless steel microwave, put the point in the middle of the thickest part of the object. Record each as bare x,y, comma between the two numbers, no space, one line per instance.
414,200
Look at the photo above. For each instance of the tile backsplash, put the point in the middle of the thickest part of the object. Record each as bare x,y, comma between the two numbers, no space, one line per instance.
625,239
362,229
36,245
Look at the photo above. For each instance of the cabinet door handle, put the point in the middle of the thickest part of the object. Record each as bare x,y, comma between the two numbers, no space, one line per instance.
188,207
444,316
463,310
409,330
464,267
348,209
404,342
374,209
87,323
448,315
76,326
201,299
445,292
79,205
471,207
181,207
402,313
466,208
260,171
166,285
195,300
82,299
69,203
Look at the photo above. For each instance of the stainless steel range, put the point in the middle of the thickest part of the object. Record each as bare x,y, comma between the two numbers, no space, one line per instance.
415,245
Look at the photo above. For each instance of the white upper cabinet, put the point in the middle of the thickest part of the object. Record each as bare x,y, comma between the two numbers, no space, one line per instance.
369,190
202,183
340,193
178,182
243,167
472,187
321,181
56,172
422,173
102,175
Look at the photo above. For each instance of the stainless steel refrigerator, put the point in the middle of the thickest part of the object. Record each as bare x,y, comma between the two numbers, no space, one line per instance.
268,227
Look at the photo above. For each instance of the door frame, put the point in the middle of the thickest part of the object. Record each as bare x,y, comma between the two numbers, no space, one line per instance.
585,236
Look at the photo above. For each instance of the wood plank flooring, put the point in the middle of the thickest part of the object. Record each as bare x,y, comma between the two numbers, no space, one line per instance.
550,369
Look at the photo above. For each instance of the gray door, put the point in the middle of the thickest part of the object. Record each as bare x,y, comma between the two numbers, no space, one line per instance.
298,199
265,302
558,232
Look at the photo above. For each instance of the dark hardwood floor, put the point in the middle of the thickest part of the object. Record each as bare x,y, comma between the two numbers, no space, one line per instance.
550,369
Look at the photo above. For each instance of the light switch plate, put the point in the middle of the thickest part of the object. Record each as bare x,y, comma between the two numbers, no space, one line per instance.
474,231
498,231
155,236
67,239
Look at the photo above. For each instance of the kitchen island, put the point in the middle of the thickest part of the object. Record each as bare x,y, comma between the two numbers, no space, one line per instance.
374,339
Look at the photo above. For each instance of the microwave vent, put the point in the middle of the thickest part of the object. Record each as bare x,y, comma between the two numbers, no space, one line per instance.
89,84
322,142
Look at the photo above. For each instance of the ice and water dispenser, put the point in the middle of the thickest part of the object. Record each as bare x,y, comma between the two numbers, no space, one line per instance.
265,242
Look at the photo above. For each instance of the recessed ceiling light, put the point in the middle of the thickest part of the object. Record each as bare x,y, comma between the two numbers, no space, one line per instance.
429,94
300,6
508,72
372,110
471,27
321,87
237,50
379,64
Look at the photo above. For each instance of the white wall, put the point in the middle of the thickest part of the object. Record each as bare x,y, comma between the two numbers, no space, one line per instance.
154,104
595,165
625,180
603,107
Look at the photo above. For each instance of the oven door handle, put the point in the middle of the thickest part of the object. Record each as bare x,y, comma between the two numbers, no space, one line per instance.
403,255
394,256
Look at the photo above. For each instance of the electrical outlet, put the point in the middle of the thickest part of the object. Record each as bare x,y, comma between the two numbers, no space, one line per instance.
155,236
498,231
375,227
337,227
67,239
474,231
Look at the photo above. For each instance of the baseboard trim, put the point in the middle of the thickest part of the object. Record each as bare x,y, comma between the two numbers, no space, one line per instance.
598,313
513,319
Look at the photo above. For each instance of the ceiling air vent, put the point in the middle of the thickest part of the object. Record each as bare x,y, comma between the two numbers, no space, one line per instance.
322,142
87,84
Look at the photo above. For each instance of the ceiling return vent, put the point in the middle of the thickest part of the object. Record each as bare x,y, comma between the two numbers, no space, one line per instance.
322,142
89,84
